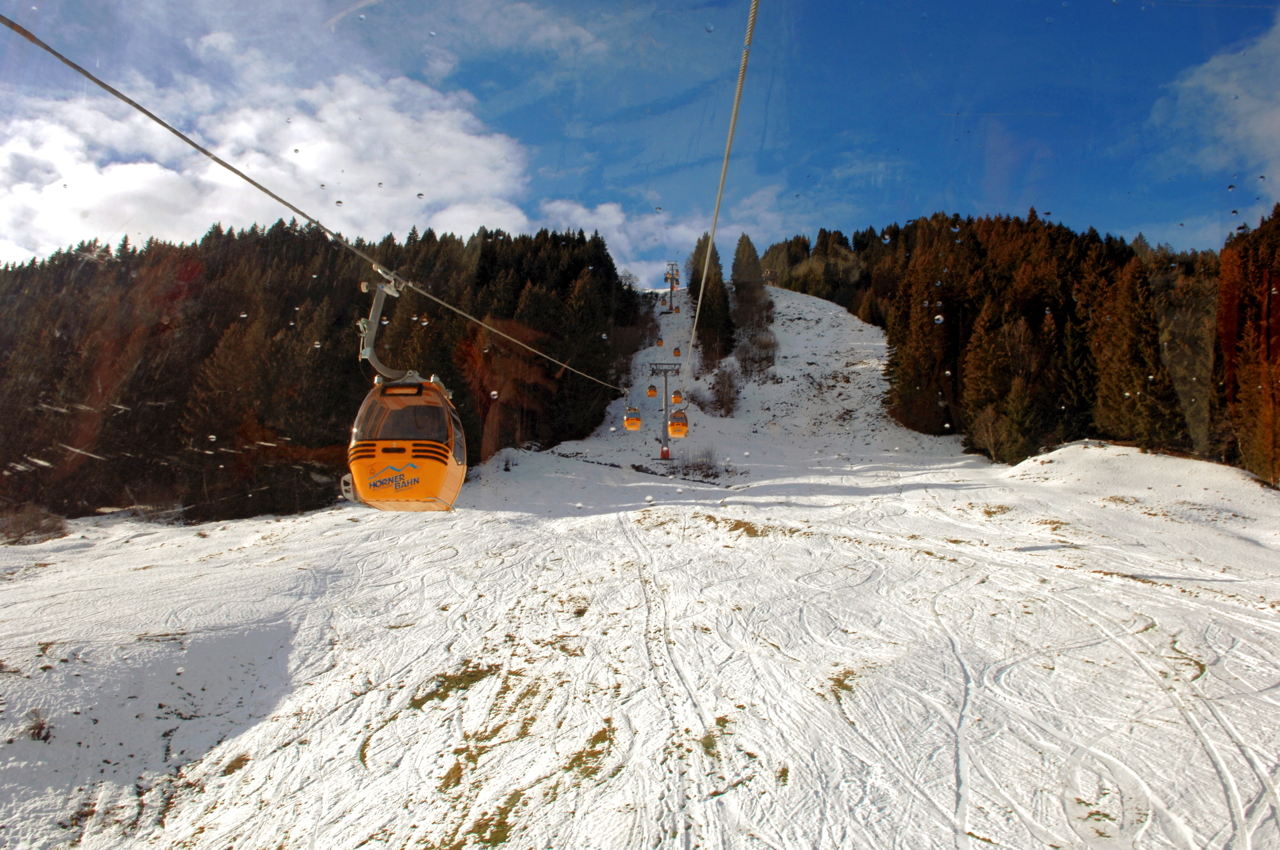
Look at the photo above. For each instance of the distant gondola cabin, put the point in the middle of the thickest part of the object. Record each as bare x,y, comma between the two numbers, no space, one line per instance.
679,425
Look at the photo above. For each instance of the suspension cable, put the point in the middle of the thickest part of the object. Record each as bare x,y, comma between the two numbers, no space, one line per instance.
394,277
724,170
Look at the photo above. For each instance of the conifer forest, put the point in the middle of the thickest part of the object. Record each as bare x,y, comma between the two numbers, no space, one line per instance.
219,379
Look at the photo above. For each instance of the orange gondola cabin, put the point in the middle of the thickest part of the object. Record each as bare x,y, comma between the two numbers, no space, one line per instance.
408,450
632,420
679,425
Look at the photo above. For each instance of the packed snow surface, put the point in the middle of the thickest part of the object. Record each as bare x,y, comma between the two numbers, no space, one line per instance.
855,636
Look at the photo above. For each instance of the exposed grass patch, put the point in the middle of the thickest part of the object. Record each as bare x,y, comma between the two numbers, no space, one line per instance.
588,761
843,681
447,683
494,829
235,764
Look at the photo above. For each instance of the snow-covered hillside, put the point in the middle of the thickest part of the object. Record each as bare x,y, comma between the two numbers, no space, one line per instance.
857,637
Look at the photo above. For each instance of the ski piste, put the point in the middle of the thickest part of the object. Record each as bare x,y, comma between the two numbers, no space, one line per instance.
853,636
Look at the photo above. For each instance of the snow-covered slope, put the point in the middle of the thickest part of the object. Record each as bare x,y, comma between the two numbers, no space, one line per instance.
857,637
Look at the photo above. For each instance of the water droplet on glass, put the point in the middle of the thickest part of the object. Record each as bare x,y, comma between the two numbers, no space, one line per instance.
885,239
337,203
424,323
321,185
710,28
295,150
493,394
937,303
947,373
604,336
362,17
213,438
1048,312
244,315
1231,188
421,195
385,320
291,324
317,345
937,320
379,185
432,33
1235,212
1048,20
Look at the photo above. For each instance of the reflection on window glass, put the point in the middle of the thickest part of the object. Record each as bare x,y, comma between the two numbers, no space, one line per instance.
380,421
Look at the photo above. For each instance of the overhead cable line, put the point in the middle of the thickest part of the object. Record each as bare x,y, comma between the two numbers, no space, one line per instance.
724,170
397,282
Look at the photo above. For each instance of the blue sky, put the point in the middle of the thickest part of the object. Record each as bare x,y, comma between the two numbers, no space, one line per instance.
1124,116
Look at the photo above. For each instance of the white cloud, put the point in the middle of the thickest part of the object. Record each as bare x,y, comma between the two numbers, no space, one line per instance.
1226,113
635,240
396,153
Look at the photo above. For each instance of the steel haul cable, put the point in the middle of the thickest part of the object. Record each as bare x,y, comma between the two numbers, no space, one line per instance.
394,277
724,170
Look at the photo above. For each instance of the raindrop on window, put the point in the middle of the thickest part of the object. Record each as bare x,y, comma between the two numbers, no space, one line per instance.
1235,212
385,320
421,195
432,33
947,373
379,185
1231,188
937,303
213,438
337,203
604,336
362,17
295,150
937,320
244,315
321,185
710,27
291,324
493,394
1048,312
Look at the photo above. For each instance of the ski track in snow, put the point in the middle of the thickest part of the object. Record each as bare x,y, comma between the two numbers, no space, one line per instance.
856,636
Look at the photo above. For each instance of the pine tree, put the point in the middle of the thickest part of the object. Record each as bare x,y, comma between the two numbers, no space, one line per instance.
746,263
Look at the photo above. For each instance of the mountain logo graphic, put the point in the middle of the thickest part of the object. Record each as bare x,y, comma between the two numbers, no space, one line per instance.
395,470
